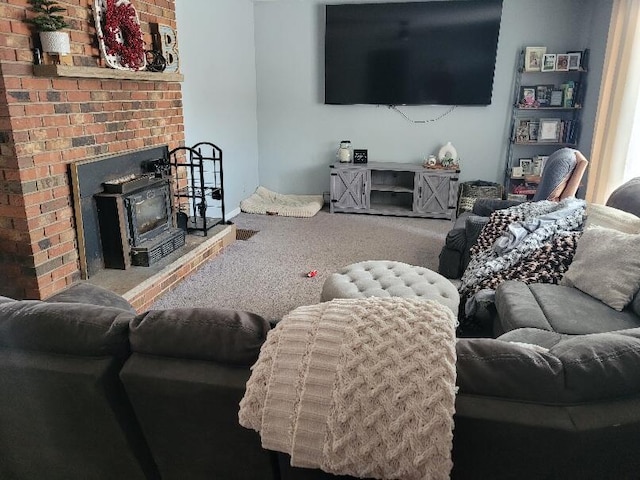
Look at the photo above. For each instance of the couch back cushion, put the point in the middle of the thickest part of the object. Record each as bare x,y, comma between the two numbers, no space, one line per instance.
185,379
578,369
226,336
63,411
64,328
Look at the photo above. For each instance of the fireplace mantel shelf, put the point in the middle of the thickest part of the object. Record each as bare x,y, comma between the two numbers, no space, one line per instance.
97,72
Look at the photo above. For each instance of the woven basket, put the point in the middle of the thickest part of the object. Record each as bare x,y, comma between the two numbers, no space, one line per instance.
470,191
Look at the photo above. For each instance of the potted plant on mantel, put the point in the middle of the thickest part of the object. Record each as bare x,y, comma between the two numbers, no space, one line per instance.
49,24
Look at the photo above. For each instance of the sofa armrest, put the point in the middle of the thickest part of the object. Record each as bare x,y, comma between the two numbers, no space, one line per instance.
484,207
473,226
534,336
502,369
83,292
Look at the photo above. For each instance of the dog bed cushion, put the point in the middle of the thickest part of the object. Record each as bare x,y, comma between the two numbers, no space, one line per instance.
267,202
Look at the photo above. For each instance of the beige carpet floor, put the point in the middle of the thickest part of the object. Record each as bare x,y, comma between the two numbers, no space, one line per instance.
266,274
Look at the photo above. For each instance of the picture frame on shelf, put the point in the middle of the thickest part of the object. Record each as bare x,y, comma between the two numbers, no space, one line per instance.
526,164
522,131
574,60
549,130
533,58
516,172
548,62
556,98
527,97
562,62
538,164
543,94
534,127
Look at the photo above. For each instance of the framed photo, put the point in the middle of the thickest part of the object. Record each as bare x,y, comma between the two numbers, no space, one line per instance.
534,127
548,62
538,164
527,97
533,58
526,164
360,155
549,130
522,131
516,172
575,60
562,62
556,98
543,95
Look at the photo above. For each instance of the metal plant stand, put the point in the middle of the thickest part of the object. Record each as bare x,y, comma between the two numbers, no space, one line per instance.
203,192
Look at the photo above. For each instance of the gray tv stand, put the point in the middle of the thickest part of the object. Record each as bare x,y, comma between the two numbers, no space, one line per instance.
387,188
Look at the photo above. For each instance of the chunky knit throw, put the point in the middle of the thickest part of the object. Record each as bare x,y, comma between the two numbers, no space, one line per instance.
533,242
361,387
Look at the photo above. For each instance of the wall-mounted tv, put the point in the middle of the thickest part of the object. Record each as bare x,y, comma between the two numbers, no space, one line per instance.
411,53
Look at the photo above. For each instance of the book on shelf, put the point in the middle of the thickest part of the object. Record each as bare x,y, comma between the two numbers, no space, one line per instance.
525,189
568,89
516,197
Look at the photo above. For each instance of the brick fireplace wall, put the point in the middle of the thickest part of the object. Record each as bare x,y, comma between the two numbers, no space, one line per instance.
48,122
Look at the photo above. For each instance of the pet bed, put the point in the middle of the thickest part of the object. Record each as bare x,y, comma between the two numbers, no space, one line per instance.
267,202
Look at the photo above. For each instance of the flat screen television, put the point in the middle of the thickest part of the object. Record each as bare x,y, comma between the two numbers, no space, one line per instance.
411,53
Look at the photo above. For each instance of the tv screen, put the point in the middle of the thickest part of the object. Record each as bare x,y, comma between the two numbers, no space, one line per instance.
413,53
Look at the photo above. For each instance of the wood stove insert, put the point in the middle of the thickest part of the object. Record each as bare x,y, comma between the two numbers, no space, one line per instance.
137,225
98,176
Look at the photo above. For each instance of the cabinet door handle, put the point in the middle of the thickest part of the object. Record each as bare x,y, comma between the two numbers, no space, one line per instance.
420,191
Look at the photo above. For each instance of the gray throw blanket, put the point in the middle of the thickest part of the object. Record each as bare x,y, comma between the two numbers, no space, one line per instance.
531,242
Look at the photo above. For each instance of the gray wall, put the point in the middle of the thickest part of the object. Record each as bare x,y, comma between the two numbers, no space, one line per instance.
217,58
254,86
298,134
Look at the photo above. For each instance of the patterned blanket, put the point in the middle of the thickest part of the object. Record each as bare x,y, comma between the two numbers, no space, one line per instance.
361,387
533,242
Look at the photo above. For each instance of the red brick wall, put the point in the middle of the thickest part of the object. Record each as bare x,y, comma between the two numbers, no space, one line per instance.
47,123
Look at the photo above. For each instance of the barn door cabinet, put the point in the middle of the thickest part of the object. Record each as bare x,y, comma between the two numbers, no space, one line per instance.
401,189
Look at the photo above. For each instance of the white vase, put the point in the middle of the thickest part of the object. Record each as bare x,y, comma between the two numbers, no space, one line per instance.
55,42
448,155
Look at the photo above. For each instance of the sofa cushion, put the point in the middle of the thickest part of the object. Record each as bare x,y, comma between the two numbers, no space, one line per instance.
609,217
83,292
606,266
219,335
577,369
66,328
556,308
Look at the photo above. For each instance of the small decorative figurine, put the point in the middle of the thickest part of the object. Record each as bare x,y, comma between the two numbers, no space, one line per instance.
448,155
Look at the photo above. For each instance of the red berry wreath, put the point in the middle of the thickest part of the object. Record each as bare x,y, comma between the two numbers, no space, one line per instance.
122,35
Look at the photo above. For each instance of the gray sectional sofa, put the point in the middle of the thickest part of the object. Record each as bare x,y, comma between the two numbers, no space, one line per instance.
90,390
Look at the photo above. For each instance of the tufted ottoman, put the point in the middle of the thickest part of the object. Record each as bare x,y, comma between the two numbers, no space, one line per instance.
383,278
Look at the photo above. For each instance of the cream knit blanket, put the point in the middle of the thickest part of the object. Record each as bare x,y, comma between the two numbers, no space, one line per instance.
361,387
